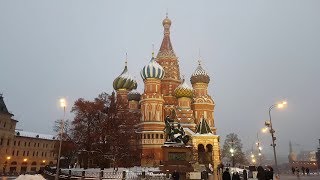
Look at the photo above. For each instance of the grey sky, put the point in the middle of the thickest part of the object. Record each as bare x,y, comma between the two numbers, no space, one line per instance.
256,52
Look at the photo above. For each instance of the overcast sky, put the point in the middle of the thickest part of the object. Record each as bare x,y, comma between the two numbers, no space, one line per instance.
256,52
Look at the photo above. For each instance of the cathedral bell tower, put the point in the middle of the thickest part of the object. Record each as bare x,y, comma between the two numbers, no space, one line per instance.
123,84
203,105
152,119
168,60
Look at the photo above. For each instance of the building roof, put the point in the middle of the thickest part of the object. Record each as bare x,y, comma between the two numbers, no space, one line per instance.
3,107
34,135
203,127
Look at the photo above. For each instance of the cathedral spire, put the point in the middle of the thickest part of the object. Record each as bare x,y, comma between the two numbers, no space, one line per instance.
166,49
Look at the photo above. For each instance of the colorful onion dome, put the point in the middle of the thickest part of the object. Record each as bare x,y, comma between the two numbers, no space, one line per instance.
200,76
134,95
125,81
152,70
183,90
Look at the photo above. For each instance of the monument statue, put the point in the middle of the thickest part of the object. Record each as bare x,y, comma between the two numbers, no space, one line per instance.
174,134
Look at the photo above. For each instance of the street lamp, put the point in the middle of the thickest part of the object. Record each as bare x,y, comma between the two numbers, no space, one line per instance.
63,104
272,131
232,154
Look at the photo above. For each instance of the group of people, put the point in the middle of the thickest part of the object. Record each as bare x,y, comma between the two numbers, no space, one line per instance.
296,171
227,176
263,174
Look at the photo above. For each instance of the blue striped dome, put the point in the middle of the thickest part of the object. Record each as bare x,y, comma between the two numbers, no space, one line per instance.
152,70
125,81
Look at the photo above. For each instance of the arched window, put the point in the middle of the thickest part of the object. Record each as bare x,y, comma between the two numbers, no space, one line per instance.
201,154
161,136
33,163
24,163
157,136
14,163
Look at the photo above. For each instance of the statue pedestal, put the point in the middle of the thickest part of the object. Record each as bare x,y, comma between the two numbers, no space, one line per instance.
176,157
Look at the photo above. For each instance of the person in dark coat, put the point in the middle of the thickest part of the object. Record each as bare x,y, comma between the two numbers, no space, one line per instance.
307,171
235,176
226,175
261,173
269,173
175,175
245,174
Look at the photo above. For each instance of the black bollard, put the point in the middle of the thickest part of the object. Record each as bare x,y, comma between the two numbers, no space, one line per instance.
123,175
69,175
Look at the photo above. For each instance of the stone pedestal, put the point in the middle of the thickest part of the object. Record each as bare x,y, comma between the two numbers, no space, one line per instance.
176,157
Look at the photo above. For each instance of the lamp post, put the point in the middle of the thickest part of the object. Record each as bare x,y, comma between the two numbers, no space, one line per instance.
272,131
63,105
232,155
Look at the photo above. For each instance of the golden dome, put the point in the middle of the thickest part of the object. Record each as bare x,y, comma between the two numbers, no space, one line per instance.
183,90
166,21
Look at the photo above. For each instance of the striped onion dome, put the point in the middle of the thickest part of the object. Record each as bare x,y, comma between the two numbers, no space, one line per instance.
134,95
183,90
200,76
125,81
152,70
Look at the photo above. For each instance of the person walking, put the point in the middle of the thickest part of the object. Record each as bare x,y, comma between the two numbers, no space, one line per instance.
261,173
235,176
307,171
175,175
269,173
226,175
245,174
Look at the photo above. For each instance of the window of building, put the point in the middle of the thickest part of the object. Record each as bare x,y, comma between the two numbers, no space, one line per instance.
14,143
152,136
1,141
161,136
33,153
37,153
8,142
35,144
25,144
38,144
28,153
4,125
13,153
29,144
46,145
157,136
17,153
42,154
18,143
24,153
45,154
148,136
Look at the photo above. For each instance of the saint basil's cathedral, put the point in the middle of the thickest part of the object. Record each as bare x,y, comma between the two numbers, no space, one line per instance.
167,95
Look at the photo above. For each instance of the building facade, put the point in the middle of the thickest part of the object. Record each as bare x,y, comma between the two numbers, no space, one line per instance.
166,94
22,151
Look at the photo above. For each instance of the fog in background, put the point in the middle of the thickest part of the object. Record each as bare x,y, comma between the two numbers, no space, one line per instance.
257,53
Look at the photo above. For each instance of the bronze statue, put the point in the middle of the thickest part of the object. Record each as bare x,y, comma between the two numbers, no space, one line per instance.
174,134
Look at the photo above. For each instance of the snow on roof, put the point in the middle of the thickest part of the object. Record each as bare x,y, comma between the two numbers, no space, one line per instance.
34,135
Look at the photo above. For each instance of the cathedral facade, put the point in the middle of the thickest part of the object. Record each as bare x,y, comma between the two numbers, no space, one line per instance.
166,94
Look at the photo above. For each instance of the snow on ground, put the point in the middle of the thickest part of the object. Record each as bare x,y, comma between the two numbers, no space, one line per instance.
30,177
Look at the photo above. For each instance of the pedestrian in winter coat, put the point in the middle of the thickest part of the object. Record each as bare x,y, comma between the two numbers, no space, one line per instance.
226,175
261,173
245,174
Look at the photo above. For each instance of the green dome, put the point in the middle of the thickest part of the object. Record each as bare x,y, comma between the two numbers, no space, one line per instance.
125,81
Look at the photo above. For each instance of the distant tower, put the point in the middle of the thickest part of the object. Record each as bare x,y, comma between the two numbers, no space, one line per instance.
168,60
123,84
152,119
203,105
184,113
292,156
